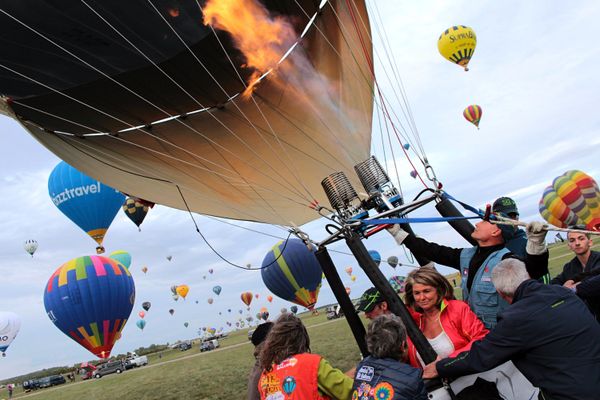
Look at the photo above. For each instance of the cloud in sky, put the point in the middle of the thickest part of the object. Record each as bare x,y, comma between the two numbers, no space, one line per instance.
535,73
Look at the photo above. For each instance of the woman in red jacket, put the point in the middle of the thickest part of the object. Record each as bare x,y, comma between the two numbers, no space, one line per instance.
448,324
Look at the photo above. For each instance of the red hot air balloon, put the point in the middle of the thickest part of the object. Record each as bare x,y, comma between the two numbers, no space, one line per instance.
473,114
247,298
269,298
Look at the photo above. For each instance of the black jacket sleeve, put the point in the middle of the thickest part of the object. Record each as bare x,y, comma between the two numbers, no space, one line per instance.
537,265
444,255
589,288
504,341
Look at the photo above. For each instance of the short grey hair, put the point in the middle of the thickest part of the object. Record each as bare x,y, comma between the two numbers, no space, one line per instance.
508,275
385,336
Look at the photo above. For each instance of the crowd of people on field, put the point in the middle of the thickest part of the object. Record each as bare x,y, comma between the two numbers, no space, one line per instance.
512,320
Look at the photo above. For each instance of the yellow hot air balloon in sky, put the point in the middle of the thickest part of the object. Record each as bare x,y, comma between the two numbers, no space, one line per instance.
457,44
183,290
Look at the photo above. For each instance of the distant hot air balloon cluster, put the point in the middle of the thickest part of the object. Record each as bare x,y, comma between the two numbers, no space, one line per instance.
90,299
573,198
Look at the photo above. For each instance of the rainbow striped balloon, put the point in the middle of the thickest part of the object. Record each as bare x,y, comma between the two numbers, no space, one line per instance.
572,199
473,114
90,299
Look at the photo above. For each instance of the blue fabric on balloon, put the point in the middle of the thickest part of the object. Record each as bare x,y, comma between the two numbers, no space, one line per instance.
90,204
291,271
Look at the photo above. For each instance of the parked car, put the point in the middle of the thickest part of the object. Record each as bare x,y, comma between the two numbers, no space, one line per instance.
31,384
185,346
109,368
207,346
135,361
334,312
51,380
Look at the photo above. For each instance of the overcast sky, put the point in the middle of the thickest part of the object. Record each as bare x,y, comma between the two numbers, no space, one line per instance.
534,73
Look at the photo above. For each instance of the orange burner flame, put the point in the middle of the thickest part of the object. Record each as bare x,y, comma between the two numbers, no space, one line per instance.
261,38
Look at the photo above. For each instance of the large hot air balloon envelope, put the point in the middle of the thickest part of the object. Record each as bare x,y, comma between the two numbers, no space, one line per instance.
118,120
90,299
217,290
573,198
457,44
121,256
246,298
473,114
146,305
30,246
90,204
136,210
291,271
10,323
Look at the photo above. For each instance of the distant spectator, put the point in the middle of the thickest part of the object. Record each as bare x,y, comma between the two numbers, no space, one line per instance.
10,387
257,339
384,374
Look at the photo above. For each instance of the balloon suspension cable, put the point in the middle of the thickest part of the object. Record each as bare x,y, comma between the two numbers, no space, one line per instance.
217,253
499,220
430,173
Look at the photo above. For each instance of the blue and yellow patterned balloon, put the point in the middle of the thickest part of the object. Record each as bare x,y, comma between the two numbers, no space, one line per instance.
291,271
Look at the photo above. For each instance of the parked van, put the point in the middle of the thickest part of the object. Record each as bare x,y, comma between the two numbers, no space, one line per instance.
109,368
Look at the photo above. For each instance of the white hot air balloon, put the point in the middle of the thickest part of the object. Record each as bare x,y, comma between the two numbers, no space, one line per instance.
10,323
30,246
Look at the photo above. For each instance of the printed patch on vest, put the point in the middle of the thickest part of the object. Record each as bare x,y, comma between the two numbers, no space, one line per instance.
270,385
383,391
365,373
362,392
289,384
288,362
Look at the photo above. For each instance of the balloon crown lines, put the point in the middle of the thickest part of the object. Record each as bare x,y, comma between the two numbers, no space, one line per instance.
79,191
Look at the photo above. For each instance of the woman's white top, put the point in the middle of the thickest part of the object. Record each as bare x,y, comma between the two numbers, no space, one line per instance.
441,344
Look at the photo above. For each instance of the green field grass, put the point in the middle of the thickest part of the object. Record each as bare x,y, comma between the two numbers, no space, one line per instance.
219,374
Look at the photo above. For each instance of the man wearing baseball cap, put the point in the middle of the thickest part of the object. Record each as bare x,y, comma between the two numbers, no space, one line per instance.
515,239
372,304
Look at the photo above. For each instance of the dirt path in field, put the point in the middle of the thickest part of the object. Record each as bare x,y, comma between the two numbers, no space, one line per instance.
39,392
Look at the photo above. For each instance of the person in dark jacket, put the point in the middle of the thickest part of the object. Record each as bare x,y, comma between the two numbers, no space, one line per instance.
547,332
477,263
581,273
383,374
515,238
